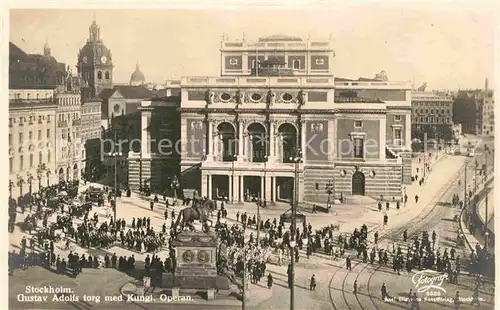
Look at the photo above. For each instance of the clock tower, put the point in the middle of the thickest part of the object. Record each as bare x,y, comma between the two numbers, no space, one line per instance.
95,64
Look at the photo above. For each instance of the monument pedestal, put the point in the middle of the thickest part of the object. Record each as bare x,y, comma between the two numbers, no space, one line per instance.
196,255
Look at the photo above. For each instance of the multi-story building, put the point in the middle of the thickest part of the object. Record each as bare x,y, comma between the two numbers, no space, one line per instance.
432,114
465,109
68,128
485,112
31,139
275,101
33,79
91,133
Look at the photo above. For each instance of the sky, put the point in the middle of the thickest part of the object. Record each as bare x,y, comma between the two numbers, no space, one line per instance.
449,47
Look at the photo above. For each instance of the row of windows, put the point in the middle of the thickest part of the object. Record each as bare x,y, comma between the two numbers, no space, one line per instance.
91,110
37,96
430,119
31,161
30,136
69,116
69,101
431,104
99,75
66,132
432,111
31,120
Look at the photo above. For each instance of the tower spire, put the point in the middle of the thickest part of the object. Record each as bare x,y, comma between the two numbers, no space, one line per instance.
46,47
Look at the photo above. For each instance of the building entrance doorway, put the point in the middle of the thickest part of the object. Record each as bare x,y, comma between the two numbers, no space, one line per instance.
220,187
358,183
251,188
61,175
284,188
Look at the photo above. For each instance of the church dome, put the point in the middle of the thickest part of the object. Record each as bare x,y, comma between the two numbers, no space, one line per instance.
137,77
94,52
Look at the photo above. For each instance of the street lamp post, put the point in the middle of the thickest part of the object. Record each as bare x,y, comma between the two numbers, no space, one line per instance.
115,155
244,280
20,182
175,185
30,181
486,218
297,160
329,191
39,174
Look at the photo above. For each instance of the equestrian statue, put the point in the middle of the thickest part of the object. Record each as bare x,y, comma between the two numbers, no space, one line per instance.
200,210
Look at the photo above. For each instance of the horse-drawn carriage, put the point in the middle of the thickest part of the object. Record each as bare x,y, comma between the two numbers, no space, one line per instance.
94,194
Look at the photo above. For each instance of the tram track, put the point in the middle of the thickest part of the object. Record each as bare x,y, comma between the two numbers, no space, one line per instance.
419,224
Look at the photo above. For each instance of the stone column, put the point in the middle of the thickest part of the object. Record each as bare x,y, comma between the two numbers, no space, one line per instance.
268,189
145,134
272,142
241,124
204,185
383,137
303,138
407,132
210,139
209,187
262,189
230,186
242,188
273,186
236,189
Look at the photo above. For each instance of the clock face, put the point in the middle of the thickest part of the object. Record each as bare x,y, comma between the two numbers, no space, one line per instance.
85,59
104,59
233,61
117,108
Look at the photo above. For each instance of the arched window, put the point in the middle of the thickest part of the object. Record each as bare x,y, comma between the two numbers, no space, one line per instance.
296,64
107,75
99,75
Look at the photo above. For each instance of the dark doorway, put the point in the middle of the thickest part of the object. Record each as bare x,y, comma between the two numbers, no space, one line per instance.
251,187
284,188
220,187
358,183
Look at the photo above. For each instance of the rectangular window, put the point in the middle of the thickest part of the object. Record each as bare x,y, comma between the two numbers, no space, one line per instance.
397,118
21,162
31,160
48,157
21,138
40,158
11,164
48,133
358,147
30,135
397,136
39,135
358,124
10,139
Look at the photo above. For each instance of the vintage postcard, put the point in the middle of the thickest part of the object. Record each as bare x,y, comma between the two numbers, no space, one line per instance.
318,156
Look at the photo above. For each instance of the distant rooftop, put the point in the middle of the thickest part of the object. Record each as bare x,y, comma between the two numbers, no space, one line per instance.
280,38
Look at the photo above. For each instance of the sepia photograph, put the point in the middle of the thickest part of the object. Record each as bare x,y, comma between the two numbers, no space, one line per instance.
336,156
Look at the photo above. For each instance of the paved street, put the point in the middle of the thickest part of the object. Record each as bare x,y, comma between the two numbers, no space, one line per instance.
334,283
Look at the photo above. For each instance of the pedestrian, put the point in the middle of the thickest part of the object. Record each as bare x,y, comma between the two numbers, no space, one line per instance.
456,300
416,198
387,206
475,297
355,286
165,214
312,284
380,206
348,263
151,205
405,235
386,219
414,302
397,205
406,198
376,237
383,291
269,281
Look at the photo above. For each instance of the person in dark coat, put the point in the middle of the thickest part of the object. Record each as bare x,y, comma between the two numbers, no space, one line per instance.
386,219
151,205
165,214
312,284
383,291
269,281
348,263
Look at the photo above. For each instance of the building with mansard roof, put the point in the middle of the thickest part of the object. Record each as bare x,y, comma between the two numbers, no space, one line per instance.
276,101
